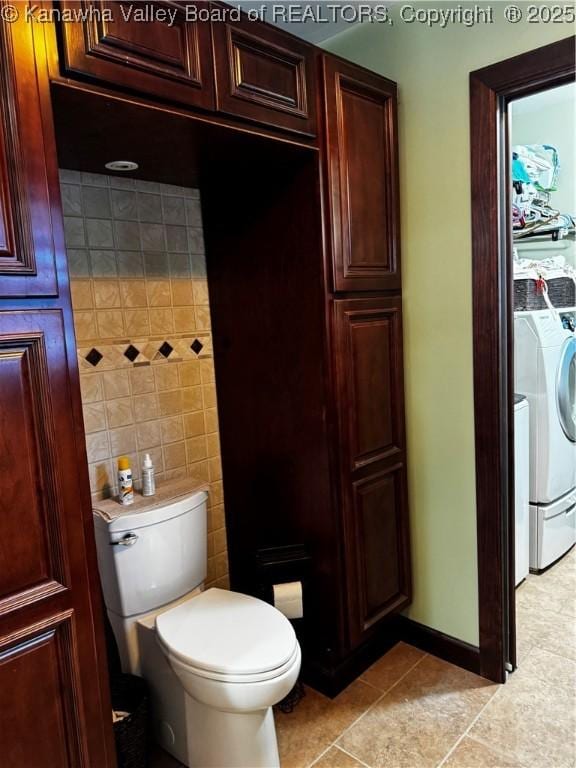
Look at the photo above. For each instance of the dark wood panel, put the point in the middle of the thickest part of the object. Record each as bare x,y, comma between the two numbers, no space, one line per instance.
368,336
42,724
31,563
27,253
362,167
169,56
492,286
264,75
378,555
376,507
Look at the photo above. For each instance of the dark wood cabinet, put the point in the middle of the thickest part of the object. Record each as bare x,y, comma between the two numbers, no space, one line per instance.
370,403
55,702
27,252
265,75
362,177
170,58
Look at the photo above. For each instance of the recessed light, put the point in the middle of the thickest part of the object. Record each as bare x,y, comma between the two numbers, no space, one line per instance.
122,165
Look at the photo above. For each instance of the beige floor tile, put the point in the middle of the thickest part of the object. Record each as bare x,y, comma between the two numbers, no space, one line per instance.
554,589
318,721
533,716
336,758
390,668
537,627
472,754
421,718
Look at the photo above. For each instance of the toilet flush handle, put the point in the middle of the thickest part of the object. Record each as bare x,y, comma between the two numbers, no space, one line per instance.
128,540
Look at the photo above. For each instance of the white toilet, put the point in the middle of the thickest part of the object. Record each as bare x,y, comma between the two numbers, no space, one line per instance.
216,661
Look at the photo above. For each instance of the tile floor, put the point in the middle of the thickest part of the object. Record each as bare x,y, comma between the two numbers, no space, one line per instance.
411,710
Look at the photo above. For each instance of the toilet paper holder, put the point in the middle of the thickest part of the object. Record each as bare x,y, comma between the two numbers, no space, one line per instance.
281,565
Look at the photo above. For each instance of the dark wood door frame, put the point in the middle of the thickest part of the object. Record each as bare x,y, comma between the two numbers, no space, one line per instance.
491,91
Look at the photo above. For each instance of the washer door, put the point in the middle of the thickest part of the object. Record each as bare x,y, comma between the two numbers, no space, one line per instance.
566,389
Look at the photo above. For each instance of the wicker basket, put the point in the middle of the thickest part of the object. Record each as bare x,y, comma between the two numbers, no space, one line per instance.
130,694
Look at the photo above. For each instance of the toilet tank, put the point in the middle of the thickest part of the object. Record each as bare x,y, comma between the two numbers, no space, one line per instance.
153,551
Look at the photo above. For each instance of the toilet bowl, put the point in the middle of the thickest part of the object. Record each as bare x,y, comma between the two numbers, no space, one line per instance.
235,656
216,661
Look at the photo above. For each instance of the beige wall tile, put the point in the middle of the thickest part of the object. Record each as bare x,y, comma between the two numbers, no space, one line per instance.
133,293
199,471
91,387
170,403
122,441
158,292
106,294
94,417
194,424
213,444
148,435
172,429
110,324
81,291
192,399
203,321
215,469
85,325
211,416
119,412
146,407
166,376
116,384
174,455
182,293
161,321
97,446
189,373
136,322
200,292
220,541
184,319
196,449
142,380
209,393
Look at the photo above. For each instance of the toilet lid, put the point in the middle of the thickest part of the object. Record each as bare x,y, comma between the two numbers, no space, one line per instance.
227,632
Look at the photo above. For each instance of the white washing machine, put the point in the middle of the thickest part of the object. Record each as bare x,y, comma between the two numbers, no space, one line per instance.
545,372
521,487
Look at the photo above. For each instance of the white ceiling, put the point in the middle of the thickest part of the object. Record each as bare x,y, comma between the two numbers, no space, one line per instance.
312,21
563,94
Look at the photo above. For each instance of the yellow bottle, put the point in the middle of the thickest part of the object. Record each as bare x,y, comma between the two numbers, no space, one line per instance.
125,484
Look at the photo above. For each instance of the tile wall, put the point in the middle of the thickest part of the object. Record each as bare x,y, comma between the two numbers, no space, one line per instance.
142,319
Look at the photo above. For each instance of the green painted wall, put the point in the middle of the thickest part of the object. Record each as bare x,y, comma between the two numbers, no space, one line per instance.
431,67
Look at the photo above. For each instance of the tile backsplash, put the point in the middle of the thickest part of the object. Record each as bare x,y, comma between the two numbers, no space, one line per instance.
142,318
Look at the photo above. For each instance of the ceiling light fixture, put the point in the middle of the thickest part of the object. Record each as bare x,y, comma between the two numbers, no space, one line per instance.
122,165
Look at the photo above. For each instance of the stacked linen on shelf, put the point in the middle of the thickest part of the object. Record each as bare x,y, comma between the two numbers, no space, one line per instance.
535,170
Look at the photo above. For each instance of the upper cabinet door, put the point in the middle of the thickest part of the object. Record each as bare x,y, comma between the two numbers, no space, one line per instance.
362,167
265,75
28,174
156,48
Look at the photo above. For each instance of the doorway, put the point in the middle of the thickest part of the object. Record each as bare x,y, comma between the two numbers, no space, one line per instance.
492,92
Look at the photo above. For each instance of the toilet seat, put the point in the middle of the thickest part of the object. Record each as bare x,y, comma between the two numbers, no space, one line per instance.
229,637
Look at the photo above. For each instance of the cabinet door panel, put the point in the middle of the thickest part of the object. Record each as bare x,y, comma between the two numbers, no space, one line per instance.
378,508
170,59
370,402
264,75
43,653
31,563
27,252
362,177
369,338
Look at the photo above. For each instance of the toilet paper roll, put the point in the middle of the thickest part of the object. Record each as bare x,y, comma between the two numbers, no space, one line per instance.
288,599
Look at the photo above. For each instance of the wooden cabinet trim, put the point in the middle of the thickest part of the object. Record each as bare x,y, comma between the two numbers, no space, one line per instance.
347,313
237,39
91,49
350,271
27,250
